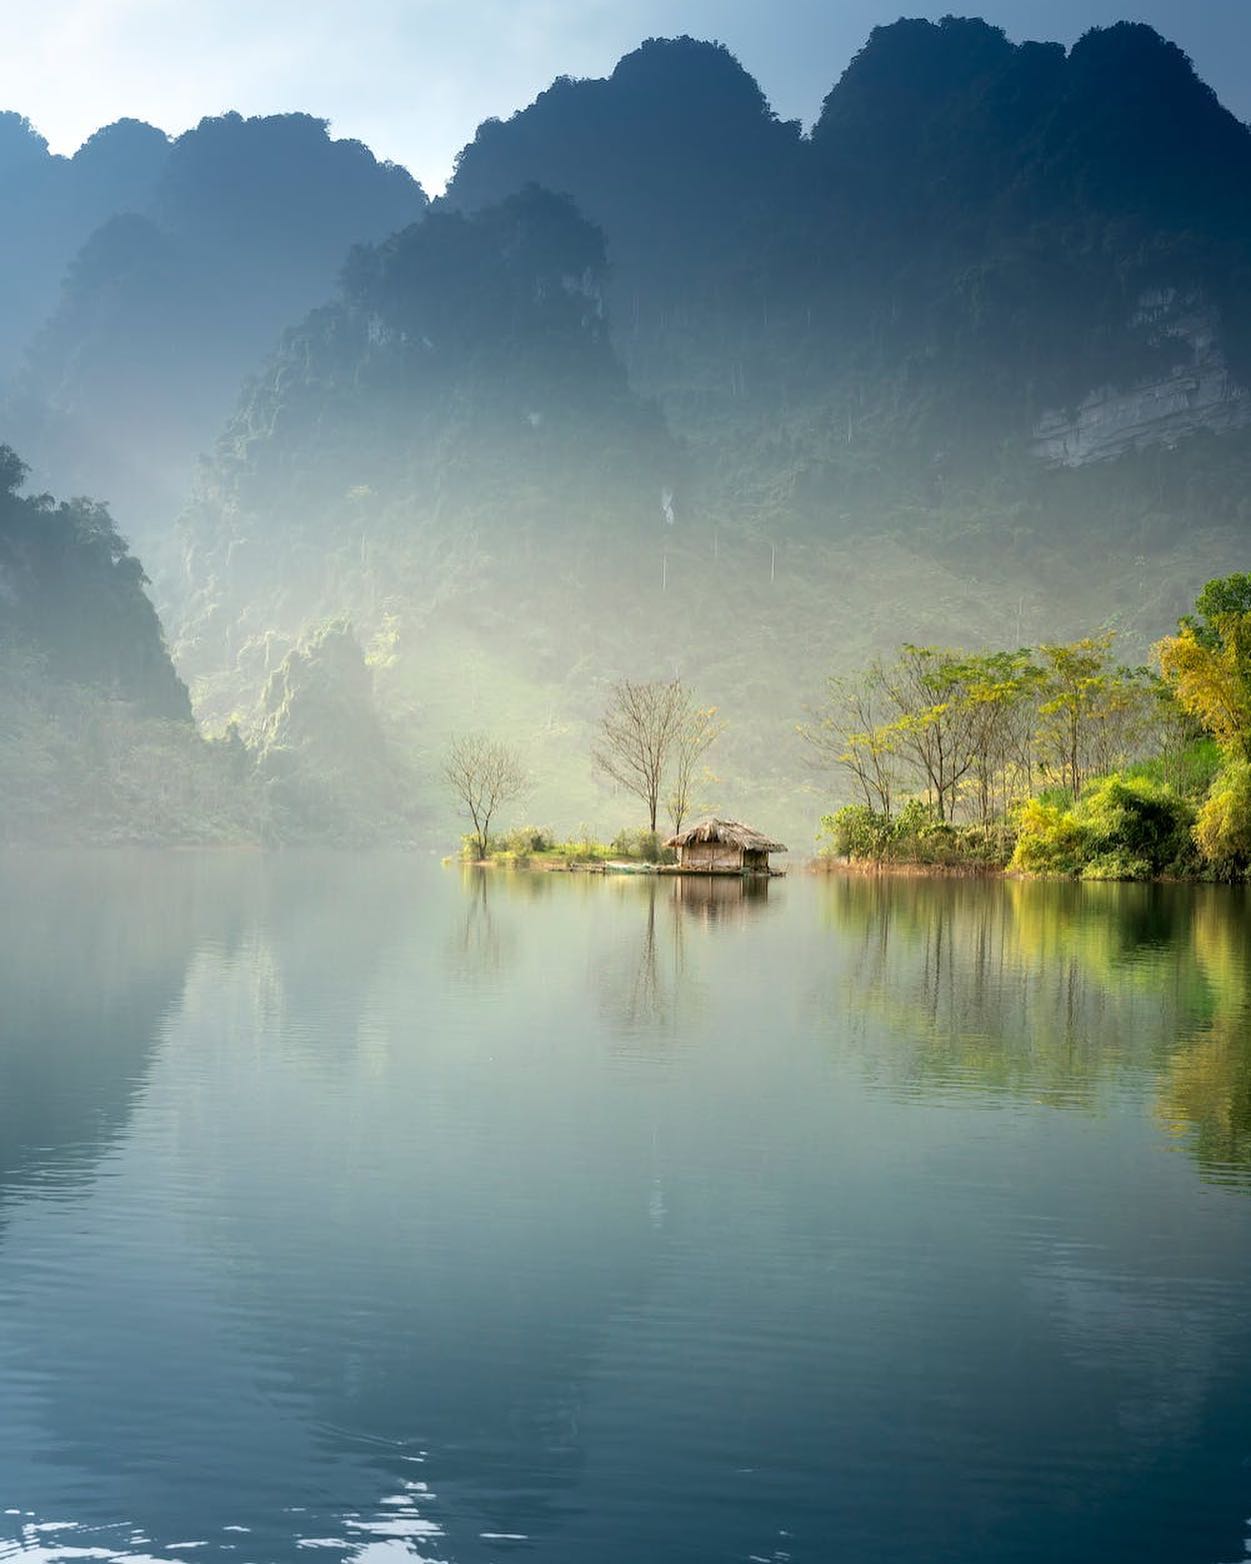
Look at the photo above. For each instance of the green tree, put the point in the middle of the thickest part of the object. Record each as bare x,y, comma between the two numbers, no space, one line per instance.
1223,829
1075,683
1001,690
1207,664
937,720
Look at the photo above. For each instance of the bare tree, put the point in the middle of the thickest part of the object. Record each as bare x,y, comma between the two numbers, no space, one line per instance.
637,737
848,732
484,775
697,731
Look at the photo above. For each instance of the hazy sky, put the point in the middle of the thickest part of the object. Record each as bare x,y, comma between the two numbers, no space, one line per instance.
414,77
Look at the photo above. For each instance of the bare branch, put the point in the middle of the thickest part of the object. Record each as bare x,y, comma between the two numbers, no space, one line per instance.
484,775
698,730
639,736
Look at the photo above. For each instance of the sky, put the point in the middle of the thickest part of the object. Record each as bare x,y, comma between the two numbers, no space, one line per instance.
413,78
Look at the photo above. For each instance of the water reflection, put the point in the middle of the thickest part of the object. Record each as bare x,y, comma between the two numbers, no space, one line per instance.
406,1215
648,985
1054,991
379,1248
720,898
94,951
481,946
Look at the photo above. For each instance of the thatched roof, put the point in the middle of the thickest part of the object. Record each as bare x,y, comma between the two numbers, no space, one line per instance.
732,833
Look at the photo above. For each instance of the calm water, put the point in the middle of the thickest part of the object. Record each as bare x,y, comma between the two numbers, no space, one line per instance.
352,1209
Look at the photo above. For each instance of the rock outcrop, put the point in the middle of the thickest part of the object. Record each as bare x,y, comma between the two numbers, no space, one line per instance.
1196,393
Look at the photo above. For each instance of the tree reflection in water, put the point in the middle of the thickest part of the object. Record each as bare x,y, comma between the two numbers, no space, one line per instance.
1054,991
656,987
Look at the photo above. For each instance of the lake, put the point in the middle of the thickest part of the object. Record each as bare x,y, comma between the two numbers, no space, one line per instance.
361,1209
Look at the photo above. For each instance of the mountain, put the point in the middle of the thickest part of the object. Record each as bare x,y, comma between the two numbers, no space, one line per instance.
459,403
178,288
325,766
427,458
981,244
664,386
51,206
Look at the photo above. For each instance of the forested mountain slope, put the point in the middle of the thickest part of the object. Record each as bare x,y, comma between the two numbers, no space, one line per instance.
73,599
97,740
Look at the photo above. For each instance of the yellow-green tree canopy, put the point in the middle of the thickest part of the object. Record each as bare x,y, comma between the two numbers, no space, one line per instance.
1208,663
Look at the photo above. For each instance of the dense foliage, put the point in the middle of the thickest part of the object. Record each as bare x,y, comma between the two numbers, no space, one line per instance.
1061,762
1121,828
96,737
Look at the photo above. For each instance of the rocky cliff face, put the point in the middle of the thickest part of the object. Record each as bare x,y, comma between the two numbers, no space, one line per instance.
1196,393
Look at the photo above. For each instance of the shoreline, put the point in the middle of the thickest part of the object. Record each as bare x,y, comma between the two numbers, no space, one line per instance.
865,867
623,866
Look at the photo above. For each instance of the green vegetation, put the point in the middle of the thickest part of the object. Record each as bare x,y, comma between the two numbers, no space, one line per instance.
529,846
97,739
1061,761
1120,828
914,836
1208,667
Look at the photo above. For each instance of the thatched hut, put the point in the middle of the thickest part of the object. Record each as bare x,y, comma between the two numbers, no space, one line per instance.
723,847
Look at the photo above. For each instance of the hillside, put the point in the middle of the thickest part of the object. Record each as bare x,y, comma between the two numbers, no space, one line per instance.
983,250
97,741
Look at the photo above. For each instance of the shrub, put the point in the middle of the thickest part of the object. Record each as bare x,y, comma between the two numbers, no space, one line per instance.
469,846
1223,829
1050,840
1137,818
855,831
526,840
642,844
915,836
1118,865
1121,828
